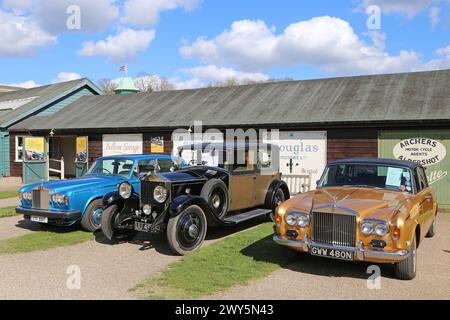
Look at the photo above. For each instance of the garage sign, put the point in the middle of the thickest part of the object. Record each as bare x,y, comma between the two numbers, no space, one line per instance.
424,151
426,147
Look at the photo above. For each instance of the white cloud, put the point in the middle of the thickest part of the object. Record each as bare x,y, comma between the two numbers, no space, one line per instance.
408,8
18,5
434,16
66,76
193,83
120,48
96,15
220,74
328,43
146,13
20,36
441,62
27,84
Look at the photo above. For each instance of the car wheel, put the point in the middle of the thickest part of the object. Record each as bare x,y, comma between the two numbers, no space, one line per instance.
187,231
108,225
432,232
406,269
278,199
91,220
215,193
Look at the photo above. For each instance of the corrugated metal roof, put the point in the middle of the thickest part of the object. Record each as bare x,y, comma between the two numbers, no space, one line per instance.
39,96
395,97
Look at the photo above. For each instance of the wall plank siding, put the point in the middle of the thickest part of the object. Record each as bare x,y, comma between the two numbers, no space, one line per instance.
352,143
15,167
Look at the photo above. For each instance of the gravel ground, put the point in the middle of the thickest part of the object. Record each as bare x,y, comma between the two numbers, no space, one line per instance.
15,227
10,202
318,278
107,271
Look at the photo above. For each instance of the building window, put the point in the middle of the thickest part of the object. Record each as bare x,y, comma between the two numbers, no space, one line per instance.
19,148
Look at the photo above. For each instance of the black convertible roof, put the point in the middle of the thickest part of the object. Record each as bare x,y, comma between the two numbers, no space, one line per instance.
377,161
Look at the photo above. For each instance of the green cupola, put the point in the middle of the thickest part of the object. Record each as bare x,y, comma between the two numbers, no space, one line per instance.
126,86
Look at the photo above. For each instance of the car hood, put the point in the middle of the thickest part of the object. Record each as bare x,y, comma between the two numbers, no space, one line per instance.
365,202
86,182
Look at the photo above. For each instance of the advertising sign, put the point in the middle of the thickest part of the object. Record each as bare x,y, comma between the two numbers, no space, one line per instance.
82,149
303,153
426,147
157,145
122,144
34,149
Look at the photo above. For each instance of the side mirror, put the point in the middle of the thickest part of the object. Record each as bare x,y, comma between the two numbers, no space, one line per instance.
317,183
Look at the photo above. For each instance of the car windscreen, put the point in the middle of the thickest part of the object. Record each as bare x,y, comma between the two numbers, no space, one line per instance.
210,158
117,167
159,165
368,175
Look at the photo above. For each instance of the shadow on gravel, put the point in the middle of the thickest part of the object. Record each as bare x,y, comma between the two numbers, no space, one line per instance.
159,242
36,227
266,250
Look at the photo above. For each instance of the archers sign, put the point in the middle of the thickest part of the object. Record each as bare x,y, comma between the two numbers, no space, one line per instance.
425,151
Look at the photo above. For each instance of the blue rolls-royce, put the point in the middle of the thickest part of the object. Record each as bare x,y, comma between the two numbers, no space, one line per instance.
65,202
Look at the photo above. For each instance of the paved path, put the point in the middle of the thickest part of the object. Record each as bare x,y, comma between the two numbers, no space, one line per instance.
107,272
12,227
318,278
10,202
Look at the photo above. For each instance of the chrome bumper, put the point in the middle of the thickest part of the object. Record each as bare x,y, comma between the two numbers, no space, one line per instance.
360,253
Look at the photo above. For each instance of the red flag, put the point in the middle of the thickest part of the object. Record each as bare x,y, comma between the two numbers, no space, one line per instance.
123,68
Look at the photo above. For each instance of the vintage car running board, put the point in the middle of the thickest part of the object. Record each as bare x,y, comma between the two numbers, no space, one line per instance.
235,219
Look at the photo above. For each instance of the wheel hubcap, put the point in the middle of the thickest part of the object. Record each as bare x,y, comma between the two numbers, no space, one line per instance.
216,201
189,230
97,216
193,231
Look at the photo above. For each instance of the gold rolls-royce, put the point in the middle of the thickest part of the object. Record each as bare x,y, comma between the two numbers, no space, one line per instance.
374,210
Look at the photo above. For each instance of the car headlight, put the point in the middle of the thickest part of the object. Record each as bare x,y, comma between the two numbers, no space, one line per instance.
125,190
59,199
147,209
303,220
291,220
160,194
367,228
27,196
382,229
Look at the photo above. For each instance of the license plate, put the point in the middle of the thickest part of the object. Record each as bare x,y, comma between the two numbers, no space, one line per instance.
39,219
333,253
142,226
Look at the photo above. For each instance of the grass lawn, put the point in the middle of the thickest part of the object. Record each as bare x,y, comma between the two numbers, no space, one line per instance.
7,212
8,194
246,256
43,240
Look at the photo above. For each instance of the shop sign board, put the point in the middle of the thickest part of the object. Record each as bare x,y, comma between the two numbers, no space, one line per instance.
122,144
426,147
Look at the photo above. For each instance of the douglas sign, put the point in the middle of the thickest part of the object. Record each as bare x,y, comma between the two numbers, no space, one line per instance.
425,151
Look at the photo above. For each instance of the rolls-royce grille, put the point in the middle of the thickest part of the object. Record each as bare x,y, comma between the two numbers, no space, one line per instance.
41,198
334,229
146,192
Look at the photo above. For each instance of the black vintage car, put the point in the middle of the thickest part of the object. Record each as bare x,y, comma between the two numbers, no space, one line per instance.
213,191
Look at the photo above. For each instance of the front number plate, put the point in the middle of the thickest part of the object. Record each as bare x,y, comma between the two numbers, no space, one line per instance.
142,226
333,253
39,219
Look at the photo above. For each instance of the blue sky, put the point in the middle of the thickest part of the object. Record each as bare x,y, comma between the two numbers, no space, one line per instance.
194,42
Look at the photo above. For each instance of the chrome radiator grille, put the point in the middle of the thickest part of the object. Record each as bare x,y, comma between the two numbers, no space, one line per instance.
334,229
41,198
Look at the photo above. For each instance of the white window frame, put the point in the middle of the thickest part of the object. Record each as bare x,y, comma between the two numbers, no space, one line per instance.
16,148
